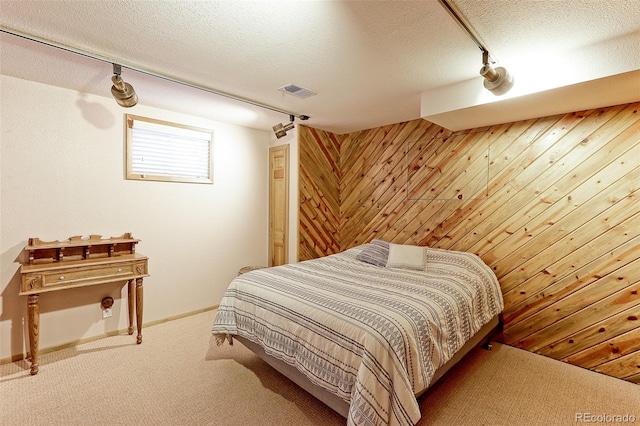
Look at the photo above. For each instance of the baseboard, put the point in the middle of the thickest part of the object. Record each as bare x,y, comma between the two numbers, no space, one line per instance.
20,357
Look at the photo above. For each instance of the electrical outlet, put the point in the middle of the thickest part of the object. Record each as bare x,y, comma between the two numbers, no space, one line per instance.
106,313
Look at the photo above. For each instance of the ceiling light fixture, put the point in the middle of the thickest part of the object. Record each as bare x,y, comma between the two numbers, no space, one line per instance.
153,74
281,129
122,91
497,80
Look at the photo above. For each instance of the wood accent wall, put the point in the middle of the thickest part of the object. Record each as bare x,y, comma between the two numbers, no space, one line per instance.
319,193
551,204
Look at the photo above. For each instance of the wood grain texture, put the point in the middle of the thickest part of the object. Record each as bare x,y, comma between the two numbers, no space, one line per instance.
550,204
319,193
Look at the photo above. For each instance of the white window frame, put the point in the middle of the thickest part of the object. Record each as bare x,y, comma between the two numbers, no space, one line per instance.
165,143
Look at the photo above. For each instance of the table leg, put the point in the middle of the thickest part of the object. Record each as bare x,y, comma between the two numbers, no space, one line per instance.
131,303
33,308
139,299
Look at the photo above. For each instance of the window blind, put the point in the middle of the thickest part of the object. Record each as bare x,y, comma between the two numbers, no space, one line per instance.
162,151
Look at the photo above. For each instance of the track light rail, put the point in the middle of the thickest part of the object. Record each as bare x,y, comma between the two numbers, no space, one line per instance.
467,28
148,72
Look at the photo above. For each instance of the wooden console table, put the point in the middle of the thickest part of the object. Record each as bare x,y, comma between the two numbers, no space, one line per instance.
80,262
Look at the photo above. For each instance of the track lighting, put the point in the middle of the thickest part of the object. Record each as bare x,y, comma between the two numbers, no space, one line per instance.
281,129
123,92
120,87
496,80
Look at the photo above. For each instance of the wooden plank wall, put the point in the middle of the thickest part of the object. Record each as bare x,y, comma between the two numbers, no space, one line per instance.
551,204
319,193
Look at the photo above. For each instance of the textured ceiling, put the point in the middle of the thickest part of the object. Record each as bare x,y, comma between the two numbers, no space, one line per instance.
371,62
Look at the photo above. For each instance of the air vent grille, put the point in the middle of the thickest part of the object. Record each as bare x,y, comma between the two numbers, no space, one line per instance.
297,91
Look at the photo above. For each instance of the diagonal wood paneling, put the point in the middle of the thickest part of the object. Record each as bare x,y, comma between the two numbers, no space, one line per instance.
319,193
551,204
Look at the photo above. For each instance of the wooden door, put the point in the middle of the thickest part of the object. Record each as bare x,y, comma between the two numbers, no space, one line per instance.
278,204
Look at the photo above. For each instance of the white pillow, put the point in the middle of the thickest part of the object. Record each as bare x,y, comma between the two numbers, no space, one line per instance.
407,257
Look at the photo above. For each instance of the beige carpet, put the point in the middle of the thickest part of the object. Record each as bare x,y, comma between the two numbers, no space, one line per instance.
178,376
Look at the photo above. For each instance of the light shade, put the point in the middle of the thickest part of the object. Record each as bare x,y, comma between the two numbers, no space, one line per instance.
497,80
122,92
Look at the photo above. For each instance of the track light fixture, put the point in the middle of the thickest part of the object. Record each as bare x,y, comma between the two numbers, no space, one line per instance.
123,92
281,129
497,80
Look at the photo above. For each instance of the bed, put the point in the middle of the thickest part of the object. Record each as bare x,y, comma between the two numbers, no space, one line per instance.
367,330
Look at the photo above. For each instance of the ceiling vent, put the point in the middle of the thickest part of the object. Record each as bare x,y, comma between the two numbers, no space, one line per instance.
297,91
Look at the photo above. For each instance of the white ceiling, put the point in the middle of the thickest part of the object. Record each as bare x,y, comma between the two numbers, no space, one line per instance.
372,63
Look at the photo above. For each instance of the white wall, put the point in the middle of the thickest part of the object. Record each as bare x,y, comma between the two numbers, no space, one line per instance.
61,174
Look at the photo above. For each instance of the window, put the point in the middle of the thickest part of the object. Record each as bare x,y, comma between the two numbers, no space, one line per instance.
165,151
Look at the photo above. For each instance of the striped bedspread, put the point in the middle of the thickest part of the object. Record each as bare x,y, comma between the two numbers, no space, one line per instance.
371,335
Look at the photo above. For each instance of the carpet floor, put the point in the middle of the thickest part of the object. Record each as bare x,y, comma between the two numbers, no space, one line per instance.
179,376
